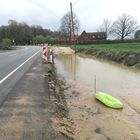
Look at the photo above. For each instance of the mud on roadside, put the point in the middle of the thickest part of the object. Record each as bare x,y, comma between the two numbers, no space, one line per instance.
62,123
35,108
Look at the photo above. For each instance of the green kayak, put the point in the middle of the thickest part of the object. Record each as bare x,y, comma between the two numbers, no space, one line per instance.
108,100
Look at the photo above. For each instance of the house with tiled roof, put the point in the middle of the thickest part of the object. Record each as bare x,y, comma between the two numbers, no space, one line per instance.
88,37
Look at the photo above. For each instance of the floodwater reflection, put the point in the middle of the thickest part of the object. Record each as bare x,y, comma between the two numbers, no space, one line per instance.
110,77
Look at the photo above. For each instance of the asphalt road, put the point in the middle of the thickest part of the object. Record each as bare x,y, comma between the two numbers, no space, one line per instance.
13,64
10,60
30,107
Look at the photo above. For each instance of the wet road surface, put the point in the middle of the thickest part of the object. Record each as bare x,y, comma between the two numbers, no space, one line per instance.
29,109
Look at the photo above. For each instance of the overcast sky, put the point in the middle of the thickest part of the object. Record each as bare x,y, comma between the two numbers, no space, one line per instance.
48,13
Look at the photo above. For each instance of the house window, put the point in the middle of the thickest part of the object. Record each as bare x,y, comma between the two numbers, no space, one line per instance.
93,36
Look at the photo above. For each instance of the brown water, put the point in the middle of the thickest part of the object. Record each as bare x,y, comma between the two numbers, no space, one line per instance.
110,77
120,81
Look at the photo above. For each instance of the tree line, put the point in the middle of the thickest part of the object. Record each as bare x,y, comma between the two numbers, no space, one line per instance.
124,27
23,34
15,33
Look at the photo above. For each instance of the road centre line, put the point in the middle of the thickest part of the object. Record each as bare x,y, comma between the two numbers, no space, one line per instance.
6,77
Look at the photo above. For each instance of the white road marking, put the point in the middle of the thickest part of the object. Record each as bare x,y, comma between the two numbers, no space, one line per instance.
6,77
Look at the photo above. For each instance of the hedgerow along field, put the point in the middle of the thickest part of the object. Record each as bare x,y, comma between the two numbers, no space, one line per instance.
127,47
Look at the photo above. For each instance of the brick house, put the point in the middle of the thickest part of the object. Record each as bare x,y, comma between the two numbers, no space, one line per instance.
67,39
88,37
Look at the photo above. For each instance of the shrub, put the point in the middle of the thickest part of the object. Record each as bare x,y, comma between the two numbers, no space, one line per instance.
6,44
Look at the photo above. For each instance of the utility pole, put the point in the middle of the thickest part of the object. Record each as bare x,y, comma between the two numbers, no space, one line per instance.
70,28
72,24
74,39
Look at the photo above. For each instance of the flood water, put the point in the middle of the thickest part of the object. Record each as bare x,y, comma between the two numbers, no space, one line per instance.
88,114
112,78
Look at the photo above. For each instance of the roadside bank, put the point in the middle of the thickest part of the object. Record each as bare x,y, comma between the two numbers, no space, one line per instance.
128,58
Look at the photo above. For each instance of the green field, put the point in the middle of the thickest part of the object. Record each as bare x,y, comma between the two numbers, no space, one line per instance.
129,47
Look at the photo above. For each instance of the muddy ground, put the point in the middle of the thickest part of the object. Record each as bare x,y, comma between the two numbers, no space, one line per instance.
94,121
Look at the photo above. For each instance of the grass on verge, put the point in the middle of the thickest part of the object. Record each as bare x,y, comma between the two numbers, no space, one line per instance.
129,47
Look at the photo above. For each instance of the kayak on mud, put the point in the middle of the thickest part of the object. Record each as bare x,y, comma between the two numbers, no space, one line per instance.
108,100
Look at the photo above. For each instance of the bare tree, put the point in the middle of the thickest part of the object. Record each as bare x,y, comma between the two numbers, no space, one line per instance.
105,27
124,26
66,25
